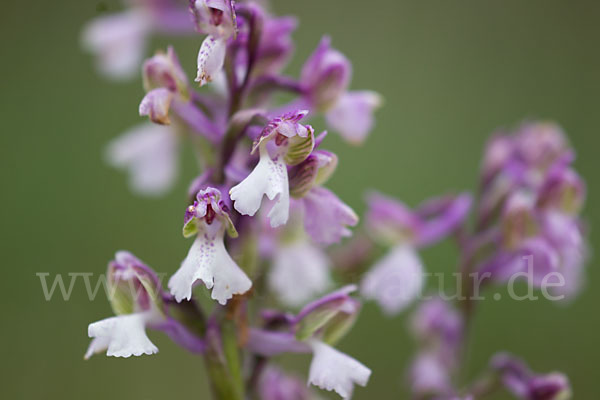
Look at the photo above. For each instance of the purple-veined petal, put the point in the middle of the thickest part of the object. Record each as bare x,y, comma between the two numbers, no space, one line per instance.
214,17
287,125
210,59
326,217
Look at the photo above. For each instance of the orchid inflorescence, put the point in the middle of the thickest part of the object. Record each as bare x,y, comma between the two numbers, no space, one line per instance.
263,221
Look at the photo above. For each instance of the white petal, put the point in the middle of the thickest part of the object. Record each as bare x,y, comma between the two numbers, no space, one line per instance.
209,262
210,59
331,369
396,280
97,345
269,178
199,260
149,153
121,336
300,271
228,277
119,42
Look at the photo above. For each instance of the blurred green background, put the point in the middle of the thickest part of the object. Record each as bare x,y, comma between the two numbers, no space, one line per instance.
451,72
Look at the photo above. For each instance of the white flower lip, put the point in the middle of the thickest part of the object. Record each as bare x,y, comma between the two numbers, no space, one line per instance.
209,262
331,369
121,336
269,178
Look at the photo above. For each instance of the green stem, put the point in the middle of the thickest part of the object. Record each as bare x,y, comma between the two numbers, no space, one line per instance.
220,379
223,361
232,355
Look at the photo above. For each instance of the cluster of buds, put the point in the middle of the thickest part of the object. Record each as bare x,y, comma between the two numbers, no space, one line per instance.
262,219
528,218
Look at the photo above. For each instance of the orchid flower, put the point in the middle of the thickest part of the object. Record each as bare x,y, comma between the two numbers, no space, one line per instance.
207,259
137,299
325,77
290,143
318,325
397,279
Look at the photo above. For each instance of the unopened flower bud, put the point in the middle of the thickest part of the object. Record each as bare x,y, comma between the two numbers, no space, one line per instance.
326,75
